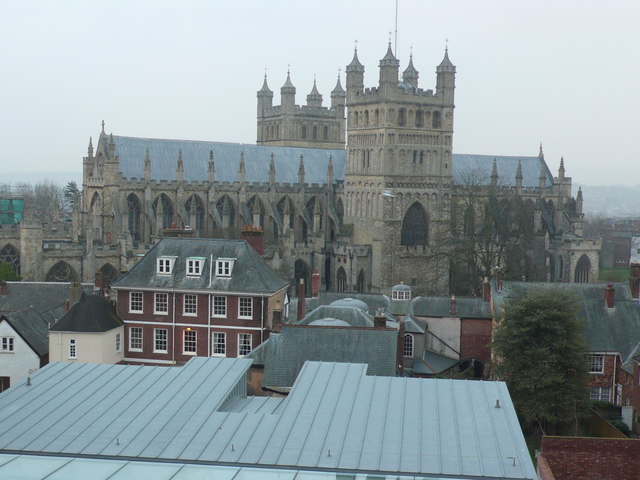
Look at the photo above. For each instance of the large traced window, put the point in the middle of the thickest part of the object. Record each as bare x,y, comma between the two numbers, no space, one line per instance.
10,255
134,216
415,226
163,208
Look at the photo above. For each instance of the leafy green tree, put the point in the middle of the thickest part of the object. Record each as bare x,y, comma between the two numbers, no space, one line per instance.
540,349
7,273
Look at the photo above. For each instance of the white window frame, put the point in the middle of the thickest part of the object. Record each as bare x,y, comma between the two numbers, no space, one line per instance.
136,301
8,345
193,343
224,267
602,394
133,337
214,306
194,305
595,361
242,344
73,349
219,344
165,265
118,342
241,307
156,335
194,266
408,349
156,296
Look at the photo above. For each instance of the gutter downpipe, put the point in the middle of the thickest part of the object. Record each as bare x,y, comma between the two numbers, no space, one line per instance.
173,350
613,388
209,339
261,318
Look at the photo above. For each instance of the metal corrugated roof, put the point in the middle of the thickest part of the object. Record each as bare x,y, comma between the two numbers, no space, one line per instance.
336,417
164,153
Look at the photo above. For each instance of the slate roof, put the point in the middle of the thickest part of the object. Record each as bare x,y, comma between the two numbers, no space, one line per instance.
32,326
614,330
284,354
336,418
250,274
43,296
440,306
93,313
195,154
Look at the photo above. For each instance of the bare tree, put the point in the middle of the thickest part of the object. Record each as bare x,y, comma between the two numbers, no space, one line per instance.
44,201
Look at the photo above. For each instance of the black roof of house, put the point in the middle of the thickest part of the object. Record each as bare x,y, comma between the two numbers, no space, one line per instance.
93,313
250,274
32,327
43,296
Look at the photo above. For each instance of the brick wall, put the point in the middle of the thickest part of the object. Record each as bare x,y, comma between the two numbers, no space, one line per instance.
578,458
475,337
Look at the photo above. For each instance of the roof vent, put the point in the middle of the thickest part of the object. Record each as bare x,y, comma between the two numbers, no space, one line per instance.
497,404
28,381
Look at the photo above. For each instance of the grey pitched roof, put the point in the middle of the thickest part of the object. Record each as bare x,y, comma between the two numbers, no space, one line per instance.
478,167
32,327
43,296
195,154
440,306
93,313
183,414
607,329
250,274
373,300
353,316
286,353
433,363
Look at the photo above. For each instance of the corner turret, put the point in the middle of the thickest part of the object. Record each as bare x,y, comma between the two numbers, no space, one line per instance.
389,70
410,75
355,76
446,79
288,93
265,97
314,99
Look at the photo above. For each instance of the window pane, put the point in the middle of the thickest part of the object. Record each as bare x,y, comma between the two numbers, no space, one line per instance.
219,343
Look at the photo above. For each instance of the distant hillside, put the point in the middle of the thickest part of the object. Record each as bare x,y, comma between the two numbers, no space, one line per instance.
615,200
59,178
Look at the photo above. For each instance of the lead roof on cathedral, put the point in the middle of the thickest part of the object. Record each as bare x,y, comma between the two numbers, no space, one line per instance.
195,154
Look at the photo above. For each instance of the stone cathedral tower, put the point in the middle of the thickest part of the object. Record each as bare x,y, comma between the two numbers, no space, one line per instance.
398,181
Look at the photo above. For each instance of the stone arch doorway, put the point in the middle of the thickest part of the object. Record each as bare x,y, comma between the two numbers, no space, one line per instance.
62,272
583,268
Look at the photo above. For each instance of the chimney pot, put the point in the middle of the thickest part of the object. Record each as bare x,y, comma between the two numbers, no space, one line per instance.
379,321
4,288
315,283
301,305
486,290
254,237
634,280
609,295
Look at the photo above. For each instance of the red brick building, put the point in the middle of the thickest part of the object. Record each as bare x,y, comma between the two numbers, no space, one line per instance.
197,297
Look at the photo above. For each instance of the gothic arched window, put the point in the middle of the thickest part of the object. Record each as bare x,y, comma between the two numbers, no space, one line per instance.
304,132
436,120
302,272
62,272
10,255
360,285
226,210
415,226
341,278
163,205
134,210
582,270
195,210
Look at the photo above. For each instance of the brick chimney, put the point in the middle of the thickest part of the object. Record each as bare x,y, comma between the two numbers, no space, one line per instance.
99,280
453,308
609,295
315,283
379,321
276,324
4,288
486,290
66,306
254,237
634,280
301,306
400,348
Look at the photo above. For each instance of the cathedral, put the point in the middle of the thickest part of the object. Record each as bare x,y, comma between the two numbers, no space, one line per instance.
366,190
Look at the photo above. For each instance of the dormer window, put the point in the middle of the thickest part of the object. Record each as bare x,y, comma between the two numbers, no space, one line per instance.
224,266
194,266
165,265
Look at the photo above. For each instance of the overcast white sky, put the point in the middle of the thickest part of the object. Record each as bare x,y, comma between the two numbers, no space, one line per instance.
566,73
